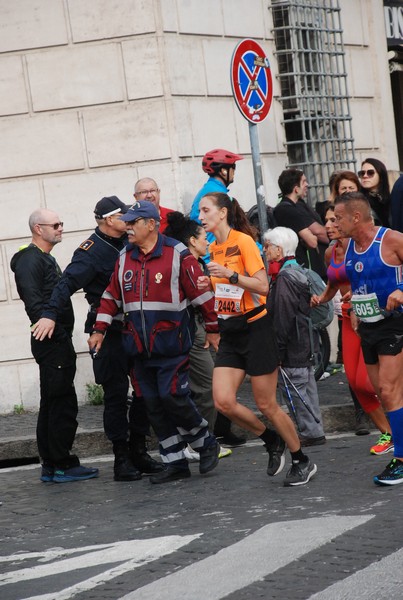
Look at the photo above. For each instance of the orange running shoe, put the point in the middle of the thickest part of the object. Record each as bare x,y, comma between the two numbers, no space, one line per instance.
383,445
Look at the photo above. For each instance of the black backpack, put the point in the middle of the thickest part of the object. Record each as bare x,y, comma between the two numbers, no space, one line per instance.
253,218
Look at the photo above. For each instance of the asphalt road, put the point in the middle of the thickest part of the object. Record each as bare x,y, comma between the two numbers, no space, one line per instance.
234,533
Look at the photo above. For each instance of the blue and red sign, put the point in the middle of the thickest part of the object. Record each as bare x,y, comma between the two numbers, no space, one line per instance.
251,80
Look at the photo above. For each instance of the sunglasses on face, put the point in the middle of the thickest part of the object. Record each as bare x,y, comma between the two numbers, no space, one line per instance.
368,172
54,225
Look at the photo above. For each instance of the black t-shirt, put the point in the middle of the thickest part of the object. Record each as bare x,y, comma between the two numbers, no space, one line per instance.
297,216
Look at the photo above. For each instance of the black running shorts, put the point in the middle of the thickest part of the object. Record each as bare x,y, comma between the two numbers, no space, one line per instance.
381,338
253,350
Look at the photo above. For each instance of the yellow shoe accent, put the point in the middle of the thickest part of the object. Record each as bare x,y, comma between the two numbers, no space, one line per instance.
224,452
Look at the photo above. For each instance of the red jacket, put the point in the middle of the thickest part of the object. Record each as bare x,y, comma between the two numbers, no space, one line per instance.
164,212
157,293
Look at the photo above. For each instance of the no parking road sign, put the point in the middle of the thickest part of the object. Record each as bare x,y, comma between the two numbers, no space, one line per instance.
251,80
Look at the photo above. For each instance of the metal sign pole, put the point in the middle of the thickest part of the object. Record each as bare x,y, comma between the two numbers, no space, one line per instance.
257,172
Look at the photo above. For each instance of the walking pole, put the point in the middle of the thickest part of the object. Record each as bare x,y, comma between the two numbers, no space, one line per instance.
289,398
308,408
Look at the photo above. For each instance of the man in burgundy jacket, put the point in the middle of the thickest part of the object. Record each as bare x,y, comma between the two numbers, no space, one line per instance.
154,284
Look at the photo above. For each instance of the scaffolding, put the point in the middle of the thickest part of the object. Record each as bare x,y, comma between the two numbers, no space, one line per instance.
313,81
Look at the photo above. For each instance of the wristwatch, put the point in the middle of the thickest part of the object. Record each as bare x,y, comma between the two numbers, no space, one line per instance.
234,277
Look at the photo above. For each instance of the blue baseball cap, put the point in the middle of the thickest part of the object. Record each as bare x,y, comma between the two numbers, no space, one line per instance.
143,209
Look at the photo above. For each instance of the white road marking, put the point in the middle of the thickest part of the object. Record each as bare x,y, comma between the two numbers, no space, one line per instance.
139,552
382,580
251,559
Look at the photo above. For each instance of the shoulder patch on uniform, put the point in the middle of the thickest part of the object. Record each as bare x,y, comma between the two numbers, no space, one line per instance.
86,245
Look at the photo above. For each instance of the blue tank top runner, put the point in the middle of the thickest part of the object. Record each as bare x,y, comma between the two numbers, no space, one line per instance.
368,273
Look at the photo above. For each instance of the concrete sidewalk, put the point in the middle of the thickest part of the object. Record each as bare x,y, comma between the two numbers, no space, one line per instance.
17,431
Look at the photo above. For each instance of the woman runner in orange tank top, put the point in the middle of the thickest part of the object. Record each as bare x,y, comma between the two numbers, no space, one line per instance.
247,344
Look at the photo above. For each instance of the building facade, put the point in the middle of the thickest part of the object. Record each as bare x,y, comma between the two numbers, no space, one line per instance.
95,94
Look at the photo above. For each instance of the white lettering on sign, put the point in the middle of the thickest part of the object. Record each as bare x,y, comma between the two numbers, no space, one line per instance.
394,22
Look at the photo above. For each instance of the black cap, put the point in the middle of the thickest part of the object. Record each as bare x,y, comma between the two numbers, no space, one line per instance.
110,205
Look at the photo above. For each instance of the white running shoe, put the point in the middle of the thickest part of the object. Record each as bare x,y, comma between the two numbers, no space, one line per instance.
191,455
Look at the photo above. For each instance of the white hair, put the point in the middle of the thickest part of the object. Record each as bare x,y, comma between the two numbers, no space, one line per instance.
284,237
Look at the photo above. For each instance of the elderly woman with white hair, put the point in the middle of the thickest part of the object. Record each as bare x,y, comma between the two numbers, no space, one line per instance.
289,305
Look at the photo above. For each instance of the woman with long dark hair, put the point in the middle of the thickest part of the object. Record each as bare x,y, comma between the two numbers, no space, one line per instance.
375,187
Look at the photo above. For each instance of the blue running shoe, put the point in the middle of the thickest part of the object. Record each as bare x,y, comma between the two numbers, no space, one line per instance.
75,474
47,473
392,475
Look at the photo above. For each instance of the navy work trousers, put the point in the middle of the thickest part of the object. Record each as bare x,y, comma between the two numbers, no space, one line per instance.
111,370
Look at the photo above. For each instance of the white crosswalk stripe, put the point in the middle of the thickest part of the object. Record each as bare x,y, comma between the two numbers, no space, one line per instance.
261,553
382,580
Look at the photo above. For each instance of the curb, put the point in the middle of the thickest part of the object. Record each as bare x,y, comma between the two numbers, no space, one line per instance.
93,442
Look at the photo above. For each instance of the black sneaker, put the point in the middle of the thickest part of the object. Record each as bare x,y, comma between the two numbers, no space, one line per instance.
392,475
300,473
276,456
170,473
145,463
79,473
209,458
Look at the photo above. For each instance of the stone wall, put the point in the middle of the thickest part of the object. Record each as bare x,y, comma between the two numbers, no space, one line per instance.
95,94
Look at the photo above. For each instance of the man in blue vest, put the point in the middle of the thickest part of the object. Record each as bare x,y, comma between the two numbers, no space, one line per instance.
374,266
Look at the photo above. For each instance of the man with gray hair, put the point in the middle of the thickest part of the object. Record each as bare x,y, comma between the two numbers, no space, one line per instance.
36,274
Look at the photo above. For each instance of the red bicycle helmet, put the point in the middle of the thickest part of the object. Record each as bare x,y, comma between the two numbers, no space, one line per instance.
215,159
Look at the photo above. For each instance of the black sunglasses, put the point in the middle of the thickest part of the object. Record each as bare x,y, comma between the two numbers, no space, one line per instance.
54,225
369,172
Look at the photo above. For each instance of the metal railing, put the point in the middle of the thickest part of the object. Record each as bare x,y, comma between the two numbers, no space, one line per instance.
308,38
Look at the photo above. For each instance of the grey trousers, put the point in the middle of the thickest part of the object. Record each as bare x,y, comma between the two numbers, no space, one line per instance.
201,367
304,380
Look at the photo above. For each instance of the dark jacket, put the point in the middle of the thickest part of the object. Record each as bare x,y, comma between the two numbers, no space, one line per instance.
289,304
36,275
155,291
90,269
380,207
396,205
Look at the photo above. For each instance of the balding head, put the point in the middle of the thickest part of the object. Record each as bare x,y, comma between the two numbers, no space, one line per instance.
42,215
46,228
147,189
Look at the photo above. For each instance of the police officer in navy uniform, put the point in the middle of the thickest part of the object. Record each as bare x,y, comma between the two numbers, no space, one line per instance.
90,269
